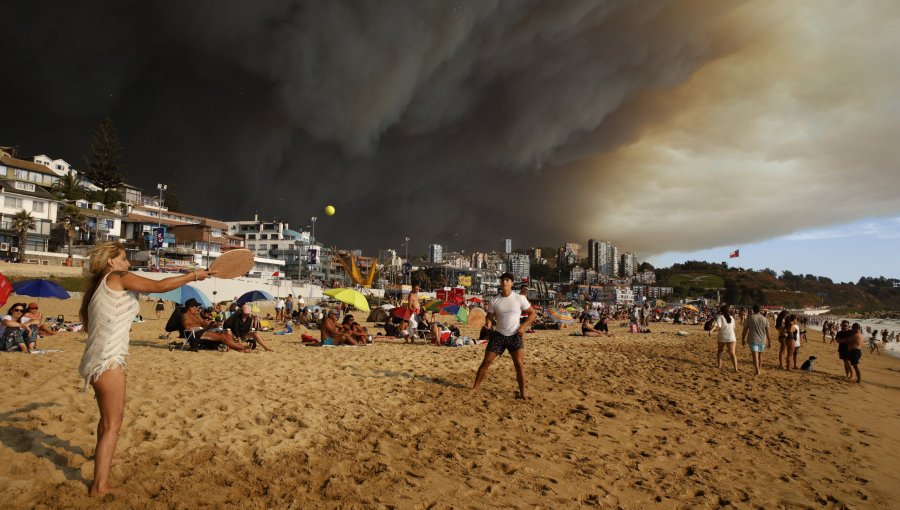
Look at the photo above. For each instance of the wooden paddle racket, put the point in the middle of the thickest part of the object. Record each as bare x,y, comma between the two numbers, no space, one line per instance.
232,264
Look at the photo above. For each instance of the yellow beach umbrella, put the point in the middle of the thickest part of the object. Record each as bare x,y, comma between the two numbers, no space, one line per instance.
349,296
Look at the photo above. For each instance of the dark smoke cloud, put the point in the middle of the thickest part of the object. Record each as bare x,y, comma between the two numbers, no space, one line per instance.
659,125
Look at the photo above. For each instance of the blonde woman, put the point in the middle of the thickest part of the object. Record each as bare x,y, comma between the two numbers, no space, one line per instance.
107,312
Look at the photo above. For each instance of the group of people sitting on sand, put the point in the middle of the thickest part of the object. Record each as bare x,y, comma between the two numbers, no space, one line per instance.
21,327
206,329
348,332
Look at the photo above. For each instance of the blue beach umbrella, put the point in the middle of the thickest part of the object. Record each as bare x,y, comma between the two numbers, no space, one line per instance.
182,294
40,289
254,295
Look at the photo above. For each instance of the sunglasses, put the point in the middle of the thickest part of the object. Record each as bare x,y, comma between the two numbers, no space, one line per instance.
18,310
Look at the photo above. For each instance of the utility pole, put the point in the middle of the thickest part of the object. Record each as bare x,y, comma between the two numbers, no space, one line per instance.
161,188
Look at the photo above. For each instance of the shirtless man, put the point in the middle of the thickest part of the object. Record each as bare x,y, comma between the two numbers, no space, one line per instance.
504,312
330,334
412,302
192,321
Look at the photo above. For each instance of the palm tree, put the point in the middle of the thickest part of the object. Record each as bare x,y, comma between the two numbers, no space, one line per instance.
68,187
21,223
69,219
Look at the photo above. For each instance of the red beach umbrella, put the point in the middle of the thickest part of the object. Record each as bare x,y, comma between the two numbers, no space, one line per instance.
402,312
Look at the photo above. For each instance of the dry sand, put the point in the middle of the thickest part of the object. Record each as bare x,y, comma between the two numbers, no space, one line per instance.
632,421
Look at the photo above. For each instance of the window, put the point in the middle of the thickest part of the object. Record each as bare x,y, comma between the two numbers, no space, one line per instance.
3,170
24,186
12,202
37,206
20,174
110,224
251,246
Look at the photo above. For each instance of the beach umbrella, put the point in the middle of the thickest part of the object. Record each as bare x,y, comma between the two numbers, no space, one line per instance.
691,308
560,315
570,309
349,296
182,294
402,312
476,299
254,295
40,289
436,305
6,289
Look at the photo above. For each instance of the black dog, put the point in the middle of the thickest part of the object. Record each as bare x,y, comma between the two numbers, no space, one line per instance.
807,365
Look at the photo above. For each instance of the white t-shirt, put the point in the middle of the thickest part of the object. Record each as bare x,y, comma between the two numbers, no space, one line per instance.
726,329
507,311
279,304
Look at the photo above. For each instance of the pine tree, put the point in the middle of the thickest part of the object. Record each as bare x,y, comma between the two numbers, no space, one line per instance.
103,167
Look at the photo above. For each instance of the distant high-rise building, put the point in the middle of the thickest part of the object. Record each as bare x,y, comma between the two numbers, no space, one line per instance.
435,253
628,264
603,256
507,246
519,265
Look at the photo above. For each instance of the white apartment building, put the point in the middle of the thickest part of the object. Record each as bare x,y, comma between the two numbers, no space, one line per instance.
58,166
615,295
17,196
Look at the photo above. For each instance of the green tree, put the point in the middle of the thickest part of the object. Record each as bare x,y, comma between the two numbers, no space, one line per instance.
67,219
103,167
22,222
68,187
170,200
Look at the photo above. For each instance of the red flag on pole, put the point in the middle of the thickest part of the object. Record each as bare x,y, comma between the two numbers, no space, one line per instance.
6,289
735,254
275,273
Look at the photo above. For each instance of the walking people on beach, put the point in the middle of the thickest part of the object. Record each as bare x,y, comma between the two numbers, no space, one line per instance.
107,310
504,311
756,333
726,338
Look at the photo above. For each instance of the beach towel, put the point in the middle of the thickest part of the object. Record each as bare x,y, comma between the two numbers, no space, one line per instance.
288,331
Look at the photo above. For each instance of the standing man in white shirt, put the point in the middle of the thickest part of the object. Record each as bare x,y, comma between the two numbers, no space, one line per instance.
503,314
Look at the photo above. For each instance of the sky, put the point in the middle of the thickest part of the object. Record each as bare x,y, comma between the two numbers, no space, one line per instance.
670,128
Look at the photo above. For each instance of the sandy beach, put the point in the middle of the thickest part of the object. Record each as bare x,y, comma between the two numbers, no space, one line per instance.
632,421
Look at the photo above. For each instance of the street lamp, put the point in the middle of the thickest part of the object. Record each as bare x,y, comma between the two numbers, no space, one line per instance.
406,260
161,188
314,228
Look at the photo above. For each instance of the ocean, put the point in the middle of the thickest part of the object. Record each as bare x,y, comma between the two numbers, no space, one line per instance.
892,348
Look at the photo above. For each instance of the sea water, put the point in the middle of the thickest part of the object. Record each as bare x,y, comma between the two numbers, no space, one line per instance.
892,348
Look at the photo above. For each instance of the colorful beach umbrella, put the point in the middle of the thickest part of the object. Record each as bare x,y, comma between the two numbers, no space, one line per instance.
691,308
436,305
40,289
350,297
476,299
560,315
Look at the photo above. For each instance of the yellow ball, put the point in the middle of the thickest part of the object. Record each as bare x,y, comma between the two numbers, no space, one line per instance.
329,210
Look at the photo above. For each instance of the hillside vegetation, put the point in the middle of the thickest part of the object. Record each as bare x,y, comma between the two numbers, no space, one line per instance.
746,286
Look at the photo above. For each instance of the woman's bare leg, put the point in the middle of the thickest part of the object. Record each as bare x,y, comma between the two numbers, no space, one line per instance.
110,391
